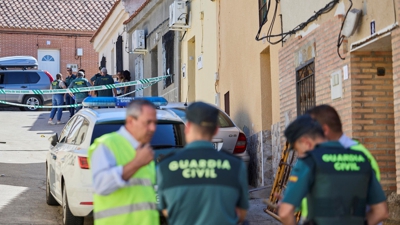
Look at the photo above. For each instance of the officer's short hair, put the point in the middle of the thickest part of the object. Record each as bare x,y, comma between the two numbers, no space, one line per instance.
326,114
303,126
80,74
104,70
203,116
135,107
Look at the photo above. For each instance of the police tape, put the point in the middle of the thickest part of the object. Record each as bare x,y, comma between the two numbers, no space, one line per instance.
86,89
68,106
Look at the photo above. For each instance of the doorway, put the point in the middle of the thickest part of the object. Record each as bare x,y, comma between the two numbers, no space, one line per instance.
49,60
191,73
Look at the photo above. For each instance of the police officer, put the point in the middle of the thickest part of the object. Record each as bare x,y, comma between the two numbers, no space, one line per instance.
123,170
105,79
57,99
331,124
68,99
338,183
200,185
79,83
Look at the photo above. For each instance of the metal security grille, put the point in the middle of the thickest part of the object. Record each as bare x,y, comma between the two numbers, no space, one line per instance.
118,54
168,57
305,79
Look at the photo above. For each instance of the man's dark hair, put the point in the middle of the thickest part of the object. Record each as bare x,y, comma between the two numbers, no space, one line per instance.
326,114
303,126
206,131
127,75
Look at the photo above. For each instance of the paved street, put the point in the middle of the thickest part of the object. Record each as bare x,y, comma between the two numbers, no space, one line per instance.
23,146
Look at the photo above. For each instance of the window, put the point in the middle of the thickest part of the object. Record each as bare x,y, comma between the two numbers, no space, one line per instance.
2,78
47,58
262,10
226,101
118,54
168,57
103,62
168,134
33,77
223,120
16,78
305,86
74,133
66,130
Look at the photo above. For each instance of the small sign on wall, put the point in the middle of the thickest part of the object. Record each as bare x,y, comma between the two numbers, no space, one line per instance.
200,62
74,67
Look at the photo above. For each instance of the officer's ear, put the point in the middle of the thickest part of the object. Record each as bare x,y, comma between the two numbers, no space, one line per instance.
326,129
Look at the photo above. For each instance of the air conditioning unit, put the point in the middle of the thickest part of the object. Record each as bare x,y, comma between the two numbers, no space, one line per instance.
178,14
138,41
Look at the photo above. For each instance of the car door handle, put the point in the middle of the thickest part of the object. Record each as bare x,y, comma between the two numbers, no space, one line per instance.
24,86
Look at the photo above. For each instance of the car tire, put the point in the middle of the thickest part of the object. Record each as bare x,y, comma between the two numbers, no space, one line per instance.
68,217
50,200
32,99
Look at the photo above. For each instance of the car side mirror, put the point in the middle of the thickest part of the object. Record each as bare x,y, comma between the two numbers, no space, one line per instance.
53,139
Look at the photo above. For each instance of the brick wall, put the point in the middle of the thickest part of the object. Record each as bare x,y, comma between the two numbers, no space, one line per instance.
366,107
373,113
28,44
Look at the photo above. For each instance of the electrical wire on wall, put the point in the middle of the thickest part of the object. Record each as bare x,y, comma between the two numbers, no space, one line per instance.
282,36
340,36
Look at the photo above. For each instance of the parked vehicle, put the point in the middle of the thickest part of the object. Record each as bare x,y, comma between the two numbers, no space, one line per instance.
68,178
229,138
20,73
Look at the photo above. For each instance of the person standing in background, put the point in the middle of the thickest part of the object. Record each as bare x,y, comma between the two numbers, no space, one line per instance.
79,82
104,80
57,99
68,99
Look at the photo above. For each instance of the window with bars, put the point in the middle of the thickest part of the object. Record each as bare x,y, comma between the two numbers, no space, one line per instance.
262,10
305,87
168,57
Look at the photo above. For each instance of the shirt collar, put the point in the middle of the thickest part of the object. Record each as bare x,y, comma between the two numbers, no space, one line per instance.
200,144
124,132
346,141
330,144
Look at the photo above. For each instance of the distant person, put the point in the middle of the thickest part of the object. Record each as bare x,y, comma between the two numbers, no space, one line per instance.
68,99
127,77
104,80
57,100
84,73
79,82
118,79
97,75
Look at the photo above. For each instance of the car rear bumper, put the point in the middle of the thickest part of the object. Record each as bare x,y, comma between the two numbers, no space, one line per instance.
80,200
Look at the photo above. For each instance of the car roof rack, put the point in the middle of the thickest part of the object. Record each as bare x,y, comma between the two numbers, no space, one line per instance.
23,62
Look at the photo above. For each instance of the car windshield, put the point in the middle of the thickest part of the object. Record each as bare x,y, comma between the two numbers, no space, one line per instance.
167,135
223,120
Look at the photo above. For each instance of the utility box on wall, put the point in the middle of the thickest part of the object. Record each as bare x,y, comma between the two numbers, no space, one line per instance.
336,85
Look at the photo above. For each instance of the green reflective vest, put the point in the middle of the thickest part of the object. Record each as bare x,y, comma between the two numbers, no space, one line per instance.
340,187
371,159
55,85
132,204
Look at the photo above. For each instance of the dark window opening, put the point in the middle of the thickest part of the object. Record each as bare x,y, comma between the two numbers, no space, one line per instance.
262,10
305,87
226,100
168,57
16,78
103,62
167,135
118,54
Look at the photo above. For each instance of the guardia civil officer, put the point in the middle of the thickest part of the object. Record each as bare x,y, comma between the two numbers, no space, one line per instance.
105,79
123,170
331,124
200,185
79,82
68,99
338,183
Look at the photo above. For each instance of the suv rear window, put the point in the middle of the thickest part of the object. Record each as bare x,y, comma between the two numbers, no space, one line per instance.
167,134
33,77
16,78
223,120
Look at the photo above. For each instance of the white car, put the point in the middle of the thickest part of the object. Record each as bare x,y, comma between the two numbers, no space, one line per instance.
68,178
230,137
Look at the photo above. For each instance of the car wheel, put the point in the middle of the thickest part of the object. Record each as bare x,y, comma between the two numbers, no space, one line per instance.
50,200
68,217
32,100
